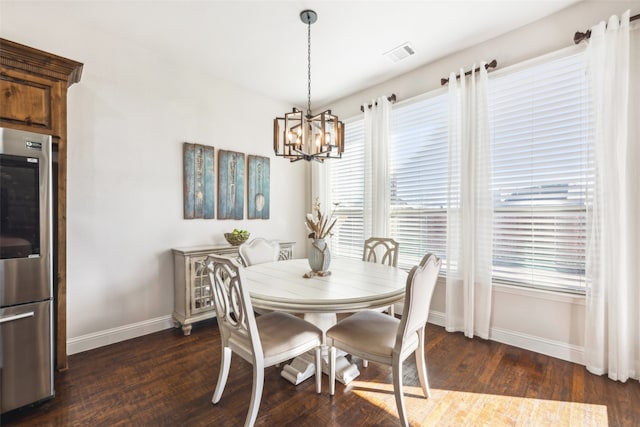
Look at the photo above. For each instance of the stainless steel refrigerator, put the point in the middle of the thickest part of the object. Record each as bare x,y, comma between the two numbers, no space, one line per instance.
26,333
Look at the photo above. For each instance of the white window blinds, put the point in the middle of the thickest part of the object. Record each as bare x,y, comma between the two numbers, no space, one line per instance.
542,167
418,178
347,188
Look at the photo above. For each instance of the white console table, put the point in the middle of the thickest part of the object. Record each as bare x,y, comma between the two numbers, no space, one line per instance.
192,293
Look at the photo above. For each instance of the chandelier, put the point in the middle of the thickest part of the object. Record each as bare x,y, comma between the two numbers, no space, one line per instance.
298,136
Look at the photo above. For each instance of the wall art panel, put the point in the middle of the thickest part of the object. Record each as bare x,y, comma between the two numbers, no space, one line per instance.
198,181
230,185
258,196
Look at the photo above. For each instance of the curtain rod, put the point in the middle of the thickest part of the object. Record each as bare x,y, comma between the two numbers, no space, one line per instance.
492,64
578,36
391,99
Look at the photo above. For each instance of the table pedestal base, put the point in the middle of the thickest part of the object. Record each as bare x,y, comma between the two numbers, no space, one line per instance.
304,367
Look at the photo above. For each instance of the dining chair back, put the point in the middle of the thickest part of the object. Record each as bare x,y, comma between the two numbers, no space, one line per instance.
374,336
258,251
381,250
264,341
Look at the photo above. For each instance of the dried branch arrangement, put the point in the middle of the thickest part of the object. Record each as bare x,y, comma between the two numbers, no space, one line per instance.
318,223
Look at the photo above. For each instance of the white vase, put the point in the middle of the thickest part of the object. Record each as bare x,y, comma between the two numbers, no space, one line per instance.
319,256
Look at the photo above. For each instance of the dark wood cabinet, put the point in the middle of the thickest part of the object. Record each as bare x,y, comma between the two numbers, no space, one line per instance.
33,97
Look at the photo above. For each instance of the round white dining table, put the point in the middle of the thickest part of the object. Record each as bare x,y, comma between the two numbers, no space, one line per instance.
353,285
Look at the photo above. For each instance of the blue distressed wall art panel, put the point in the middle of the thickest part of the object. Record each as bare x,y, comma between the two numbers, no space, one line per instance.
258,197
230,185
188,180
198,181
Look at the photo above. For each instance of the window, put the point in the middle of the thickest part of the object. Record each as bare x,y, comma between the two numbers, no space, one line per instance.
347,188
418,178
542,166
542,170
418,181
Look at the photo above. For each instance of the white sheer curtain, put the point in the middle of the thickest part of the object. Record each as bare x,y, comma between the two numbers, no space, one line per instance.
377,118
612,332
320,185
470,212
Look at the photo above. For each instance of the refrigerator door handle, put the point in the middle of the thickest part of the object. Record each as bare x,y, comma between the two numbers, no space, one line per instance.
16,317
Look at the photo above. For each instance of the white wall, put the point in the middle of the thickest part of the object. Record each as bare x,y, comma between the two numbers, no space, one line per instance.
547,322
127,120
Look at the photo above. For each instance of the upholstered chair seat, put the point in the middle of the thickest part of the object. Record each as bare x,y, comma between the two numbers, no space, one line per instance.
371,330
280,335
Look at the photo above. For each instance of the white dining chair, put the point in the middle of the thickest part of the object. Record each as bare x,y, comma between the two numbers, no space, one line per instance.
258,251
382,250
384,339
264,341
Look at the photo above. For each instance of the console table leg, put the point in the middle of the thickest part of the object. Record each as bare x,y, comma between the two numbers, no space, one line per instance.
186,329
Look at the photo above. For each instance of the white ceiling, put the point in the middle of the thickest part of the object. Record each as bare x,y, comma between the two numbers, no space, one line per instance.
262,45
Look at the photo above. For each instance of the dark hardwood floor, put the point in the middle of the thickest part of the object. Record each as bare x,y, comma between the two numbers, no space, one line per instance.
166,379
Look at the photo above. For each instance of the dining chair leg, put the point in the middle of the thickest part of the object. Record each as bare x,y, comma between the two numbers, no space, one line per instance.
256,394
318,369
422,366
397,390
332,370
225,364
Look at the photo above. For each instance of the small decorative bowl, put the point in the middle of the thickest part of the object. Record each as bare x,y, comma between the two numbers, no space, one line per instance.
236,239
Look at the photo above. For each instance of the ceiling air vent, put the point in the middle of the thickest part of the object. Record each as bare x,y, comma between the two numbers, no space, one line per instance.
401,52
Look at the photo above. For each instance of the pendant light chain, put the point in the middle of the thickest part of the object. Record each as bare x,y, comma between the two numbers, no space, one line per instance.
309,68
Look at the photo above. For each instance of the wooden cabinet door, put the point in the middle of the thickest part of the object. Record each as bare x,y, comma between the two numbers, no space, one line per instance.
26,102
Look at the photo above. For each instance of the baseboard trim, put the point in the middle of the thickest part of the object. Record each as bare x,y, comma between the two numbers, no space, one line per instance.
114,335
557,349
